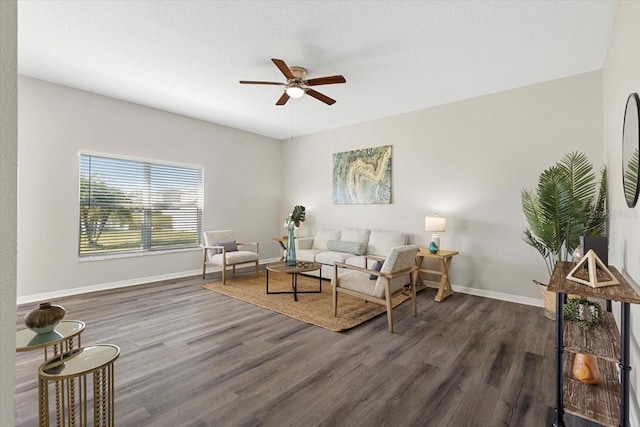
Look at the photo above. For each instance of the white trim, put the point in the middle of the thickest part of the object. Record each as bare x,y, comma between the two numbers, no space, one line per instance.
120,255
144,280
536,302
25,299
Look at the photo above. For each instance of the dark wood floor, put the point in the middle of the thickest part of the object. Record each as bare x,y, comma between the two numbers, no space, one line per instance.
191,357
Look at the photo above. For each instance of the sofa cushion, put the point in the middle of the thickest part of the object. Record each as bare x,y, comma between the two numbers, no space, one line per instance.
229,246
323,236
236,257
329,257
355,234
382,241
357,248
358,261
356,281
307,254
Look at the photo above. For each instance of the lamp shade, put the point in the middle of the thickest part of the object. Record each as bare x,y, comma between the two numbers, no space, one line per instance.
295,91
435,223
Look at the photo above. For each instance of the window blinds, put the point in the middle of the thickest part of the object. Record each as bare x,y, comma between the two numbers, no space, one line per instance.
136,206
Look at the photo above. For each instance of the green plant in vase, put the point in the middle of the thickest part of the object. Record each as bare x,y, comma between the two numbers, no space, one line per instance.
567,203
295,218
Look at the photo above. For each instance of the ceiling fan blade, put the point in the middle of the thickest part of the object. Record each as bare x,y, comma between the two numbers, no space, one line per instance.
317,95
329,80
283,99
253,82
284,68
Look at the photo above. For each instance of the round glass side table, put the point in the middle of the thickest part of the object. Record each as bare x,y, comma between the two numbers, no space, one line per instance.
69,374
61,339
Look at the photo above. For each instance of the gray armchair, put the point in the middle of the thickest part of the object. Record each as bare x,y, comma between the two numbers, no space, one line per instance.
396,271
221,249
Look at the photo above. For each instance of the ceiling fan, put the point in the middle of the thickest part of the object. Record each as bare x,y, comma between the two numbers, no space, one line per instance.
297,84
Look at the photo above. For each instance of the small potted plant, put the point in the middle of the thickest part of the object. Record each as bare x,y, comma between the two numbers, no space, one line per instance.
567,203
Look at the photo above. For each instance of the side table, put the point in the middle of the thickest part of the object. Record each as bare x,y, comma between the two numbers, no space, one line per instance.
69,375
444,258
60,339
282,241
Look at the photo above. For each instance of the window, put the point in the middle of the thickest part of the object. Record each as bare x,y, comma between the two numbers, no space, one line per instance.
134,206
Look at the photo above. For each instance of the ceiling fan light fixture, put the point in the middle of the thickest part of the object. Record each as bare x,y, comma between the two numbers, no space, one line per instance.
294,91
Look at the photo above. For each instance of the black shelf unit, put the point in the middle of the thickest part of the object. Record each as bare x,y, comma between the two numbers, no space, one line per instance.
575,398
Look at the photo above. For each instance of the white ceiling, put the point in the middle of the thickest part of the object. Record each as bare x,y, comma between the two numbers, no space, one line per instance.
187,56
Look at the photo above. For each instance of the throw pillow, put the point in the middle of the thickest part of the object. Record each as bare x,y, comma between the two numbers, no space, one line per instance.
356,248
229,246
376,266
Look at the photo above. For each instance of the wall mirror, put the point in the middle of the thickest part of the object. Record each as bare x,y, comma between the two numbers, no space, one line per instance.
630,148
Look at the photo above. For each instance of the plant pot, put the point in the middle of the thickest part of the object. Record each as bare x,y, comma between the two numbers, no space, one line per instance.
549,299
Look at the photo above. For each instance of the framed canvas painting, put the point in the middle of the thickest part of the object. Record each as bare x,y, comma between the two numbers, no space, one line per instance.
362,176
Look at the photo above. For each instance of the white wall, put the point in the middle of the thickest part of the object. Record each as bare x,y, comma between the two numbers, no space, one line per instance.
56,123
467,161
621,77
8,206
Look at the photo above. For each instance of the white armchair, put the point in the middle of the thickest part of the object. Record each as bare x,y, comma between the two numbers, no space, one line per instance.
391,279
221,249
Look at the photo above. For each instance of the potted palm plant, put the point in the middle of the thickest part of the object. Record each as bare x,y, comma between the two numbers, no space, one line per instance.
567,203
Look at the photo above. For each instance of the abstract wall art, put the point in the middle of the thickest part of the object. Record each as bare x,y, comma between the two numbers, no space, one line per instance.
362,176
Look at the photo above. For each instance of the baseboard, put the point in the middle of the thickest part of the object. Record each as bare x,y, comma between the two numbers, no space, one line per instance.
536,302
27,299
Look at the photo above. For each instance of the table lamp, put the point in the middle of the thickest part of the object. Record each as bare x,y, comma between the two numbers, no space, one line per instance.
435,224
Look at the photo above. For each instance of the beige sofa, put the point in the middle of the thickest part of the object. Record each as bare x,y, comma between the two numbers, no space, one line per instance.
349,246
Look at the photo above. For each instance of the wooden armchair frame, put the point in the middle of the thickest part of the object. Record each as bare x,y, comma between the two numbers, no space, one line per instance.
387,301
224,263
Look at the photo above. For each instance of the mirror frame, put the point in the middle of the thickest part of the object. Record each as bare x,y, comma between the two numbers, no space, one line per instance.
628,146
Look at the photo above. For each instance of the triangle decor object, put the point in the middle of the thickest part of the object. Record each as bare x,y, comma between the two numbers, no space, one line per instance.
591,271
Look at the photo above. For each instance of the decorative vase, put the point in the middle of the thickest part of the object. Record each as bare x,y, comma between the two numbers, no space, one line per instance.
291,248
585,369
45,318
433,248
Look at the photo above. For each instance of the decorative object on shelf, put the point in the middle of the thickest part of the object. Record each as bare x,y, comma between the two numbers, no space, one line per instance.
435,224
586,313
295,218
585,369
591,271
362,176
630,148
567,203
433,247
45,318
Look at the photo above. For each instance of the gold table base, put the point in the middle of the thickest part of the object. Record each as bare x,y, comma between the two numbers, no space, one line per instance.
71,377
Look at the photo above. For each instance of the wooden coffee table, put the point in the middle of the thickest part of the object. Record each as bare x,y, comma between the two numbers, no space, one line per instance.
301,267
